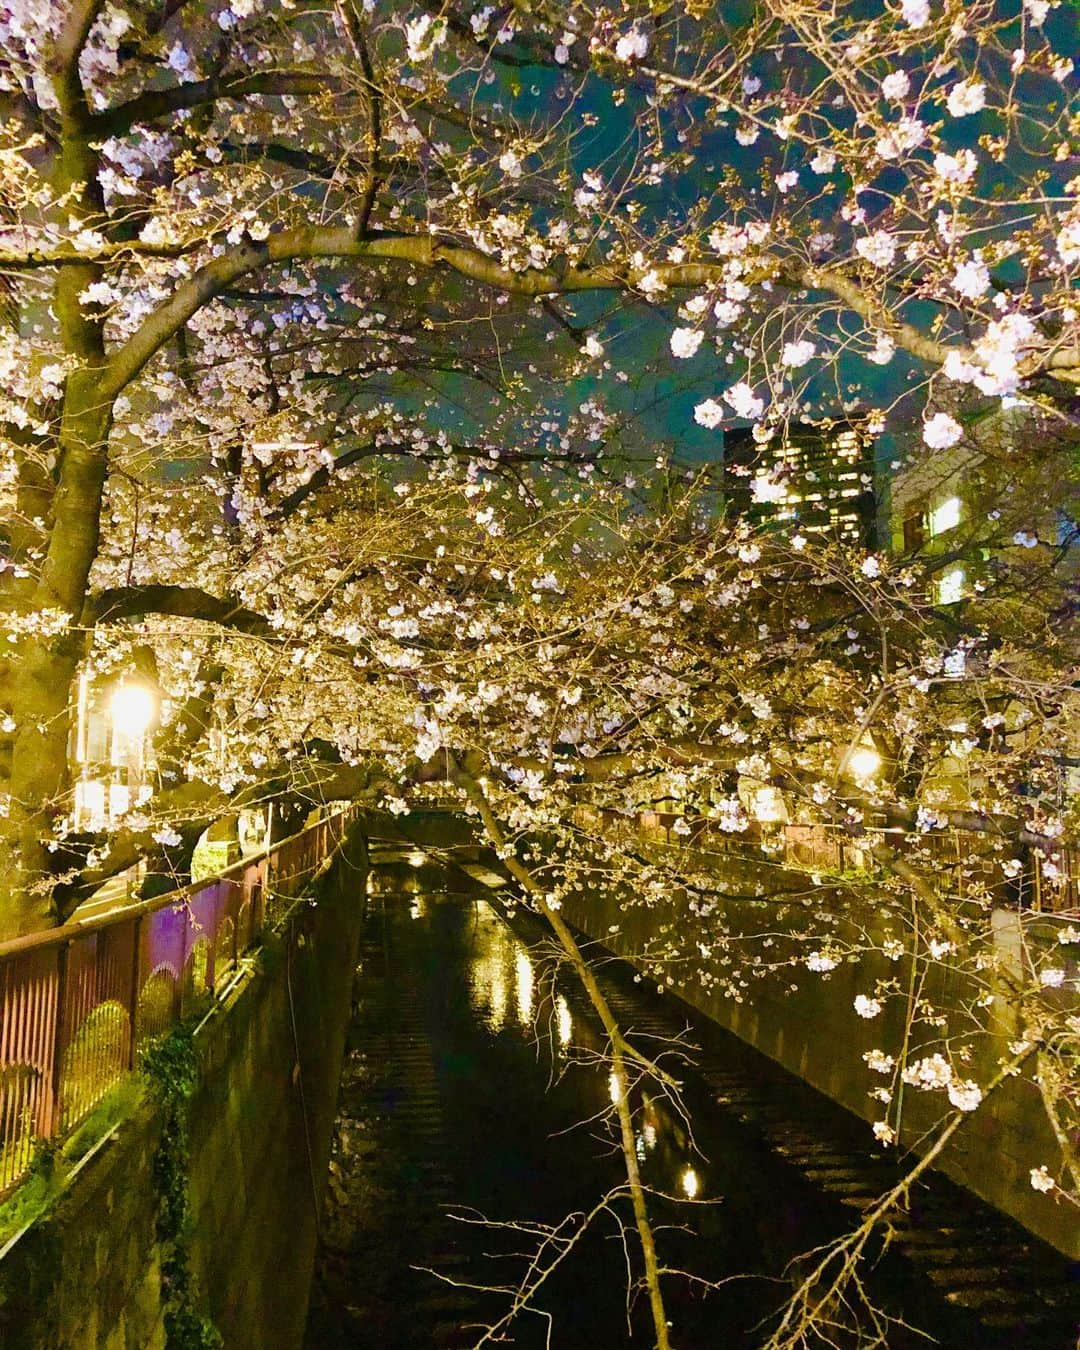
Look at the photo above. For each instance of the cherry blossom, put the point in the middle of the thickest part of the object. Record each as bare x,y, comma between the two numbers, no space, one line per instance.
744,401
879,248
941,431
684,342
966,97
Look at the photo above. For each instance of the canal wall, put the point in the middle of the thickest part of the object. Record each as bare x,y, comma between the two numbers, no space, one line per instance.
260,1119
806,1022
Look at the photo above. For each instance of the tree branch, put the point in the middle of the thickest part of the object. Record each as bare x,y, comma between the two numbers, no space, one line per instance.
423,251
189,602
156,103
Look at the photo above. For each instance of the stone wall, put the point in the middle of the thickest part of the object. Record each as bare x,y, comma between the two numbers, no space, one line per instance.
88,1274
806,1022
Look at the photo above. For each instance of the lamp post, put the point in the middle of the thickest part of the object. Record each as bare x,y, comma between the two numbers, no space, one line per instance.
110,748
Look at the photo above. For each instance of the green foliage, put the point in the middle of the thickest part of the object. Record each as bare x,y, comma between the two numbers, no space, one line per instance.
32,1198
117,1103
52,1161
171,1067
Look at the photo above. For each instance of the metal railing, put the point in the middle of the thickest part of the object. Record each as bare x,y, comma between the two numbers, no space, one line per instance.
76,1002
1049,880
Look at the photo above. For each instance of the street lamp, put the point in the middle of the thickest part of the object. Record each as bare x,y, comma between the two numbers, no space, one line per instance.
863,763
133,708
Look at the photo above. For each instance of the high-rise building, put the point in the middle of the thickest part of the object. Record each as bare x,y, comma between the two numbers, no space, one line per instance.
819,477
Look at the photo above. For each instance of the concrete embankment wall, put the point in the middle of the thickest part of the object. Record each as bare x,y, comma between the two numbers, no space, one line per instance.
806,1022
89,1273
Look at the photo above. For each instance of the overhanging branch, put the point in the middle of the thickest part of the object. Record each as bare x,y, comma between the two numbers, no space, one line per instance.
189,602
156,103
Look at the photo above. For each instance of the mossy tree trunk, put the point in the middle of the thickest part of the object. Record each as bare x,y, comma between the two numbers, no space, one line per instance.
46,658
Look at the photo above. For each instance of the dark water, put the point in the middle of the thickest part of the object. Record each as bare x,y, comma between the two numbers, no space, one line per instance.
473,1097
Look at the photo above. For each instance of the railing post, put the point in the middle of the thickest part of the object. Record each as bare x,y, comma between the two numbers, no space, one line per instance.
133,988
258,898
59,1035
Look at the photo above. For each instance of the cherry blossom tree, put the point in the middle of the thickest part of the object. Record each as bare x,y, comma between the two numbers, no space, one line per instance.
581,669
330,336
206,204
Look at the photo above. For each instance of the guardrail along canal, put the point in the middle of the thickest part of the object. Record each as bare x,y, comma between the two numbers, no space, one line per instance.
472,1091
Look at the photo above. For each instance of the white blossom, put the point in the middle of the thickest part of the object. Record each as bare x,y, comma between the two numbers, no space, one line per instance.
651,283
879,248
958,168
941,431
631,46
932,1071
884,1132
967,97
907,134
867,1007
767,489
744,401
797,354
510,163
709,414
971,278
684,342
1068,242
964,1094
883,350
916,12
423,35
1041,1180
895,85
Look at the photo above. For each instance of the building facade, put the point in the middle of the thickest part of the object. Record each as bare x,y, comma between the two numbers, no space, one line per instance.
817,477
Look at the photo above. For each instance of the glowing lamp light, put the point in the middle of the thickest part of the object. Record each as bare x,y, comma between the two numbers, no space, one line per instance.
690,1183
416,858
119,800
863,763
133,708
767,805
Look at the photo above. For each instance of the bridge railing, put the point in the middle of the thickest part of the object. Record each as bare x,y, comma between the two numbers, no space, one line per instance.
76,1002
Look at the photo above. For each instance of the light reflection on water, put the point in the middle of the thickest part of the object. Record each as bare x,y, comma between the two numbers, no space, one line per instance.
501,963
524,976
564,1022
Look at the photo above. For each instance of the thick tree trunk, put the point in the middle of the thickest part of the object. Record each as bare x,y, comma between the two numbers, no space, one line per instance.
45,666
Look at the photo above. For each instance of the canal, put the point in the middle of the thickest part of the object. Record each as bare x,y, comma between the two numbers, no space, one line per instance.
474,1125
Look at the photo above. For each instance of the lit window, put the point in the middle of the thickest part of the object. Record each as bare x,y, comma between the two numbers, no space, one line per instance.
944,517
950,587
